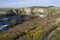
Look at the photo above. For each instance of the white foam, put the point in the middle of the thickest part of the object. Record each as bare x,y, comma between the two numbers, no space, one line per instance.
4,26
1,28
5,18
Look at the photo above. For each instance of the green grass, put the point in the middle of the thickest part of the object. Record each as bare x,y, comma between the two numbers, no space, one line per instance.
57,35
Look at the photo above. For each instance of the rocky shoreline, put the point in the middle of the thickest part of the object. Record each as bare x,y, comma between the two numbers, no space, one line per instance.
38,24
20,30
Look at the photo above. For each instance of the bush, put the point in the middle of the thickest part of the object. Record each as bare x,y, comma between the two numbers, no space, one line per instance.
3,36
34,34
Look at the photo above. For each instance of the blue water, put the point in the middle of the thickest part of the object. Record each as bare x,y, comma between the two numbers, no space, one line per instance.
5,22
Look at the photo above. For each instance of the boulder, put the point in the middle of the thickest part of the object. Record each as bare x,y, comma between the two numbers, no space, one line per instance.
13,22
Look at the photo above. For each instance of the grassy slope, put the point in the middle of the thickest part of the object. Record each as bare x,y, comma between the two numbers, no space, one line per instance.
55,35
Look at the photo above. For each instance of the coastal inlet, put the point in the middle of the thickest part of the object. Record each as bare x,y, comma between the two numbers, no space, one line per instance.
6,22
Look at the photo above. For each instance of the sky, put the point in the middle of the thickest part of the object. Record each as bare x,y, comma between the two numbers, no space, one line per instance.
27,3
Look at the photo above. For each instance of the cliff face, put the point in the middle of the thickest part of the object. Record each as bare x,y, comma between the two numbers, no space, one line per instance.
41,12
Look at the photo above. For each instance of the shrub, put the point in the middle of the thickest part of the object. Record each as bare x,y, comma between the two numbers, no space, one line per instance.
34,34
3,36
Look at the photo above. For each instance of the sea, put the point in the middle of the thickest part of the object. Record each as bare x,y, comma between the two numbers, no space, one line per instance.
5,22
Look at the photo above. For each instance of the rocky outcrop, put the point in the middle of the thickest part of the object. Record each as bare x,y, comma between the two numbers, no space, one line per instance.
41,12
13,22
2,13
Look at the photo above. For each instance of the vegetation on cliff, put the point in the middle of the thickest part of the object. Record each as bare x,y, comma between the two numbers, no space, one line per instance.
35,28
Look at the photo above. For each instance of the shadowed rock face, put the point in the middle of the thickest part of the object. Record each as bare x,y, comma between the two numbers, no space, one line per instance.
9,13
